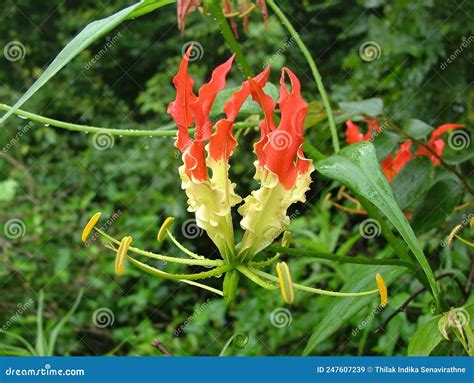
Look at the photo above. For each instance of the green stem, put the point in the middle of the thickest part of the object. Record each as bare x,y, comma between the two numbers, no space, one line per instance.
118,132
255,278
149,254
162,274
337,258
317,291
314,70
216,9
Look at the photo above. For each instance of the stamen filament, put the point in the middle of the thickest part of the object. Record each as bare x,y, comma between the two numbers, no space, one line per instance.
251,274
315,290
203,275
202,286
267,262
182,248
465,241
197,262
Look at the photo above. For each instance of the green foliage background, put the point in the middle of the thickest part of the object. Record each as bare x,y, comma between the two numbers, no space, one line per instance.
53,180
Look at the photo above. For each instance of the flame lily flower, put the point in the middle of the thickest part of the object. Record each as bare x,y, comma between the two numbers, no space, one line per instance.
281,168
436,144
354,134
392,165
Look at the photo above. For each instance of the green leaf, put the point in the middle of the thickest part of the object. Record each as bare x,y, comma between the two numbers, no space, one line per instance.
85,38
345,308
426,338
370,106
437,205
385,143
7,190
40,341
412,181
6,350
417,128
356,167
22,340
55,332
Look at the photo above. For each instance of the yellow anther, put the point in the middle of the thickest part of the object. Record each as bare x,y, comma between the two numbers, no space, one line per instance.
164,228
89,226
121,254
382,290
471,223
453,233
286,285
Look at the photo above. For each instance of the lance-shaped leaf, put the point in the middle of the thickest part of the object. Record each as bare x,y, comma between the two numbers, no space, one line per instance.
356,166
85,38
